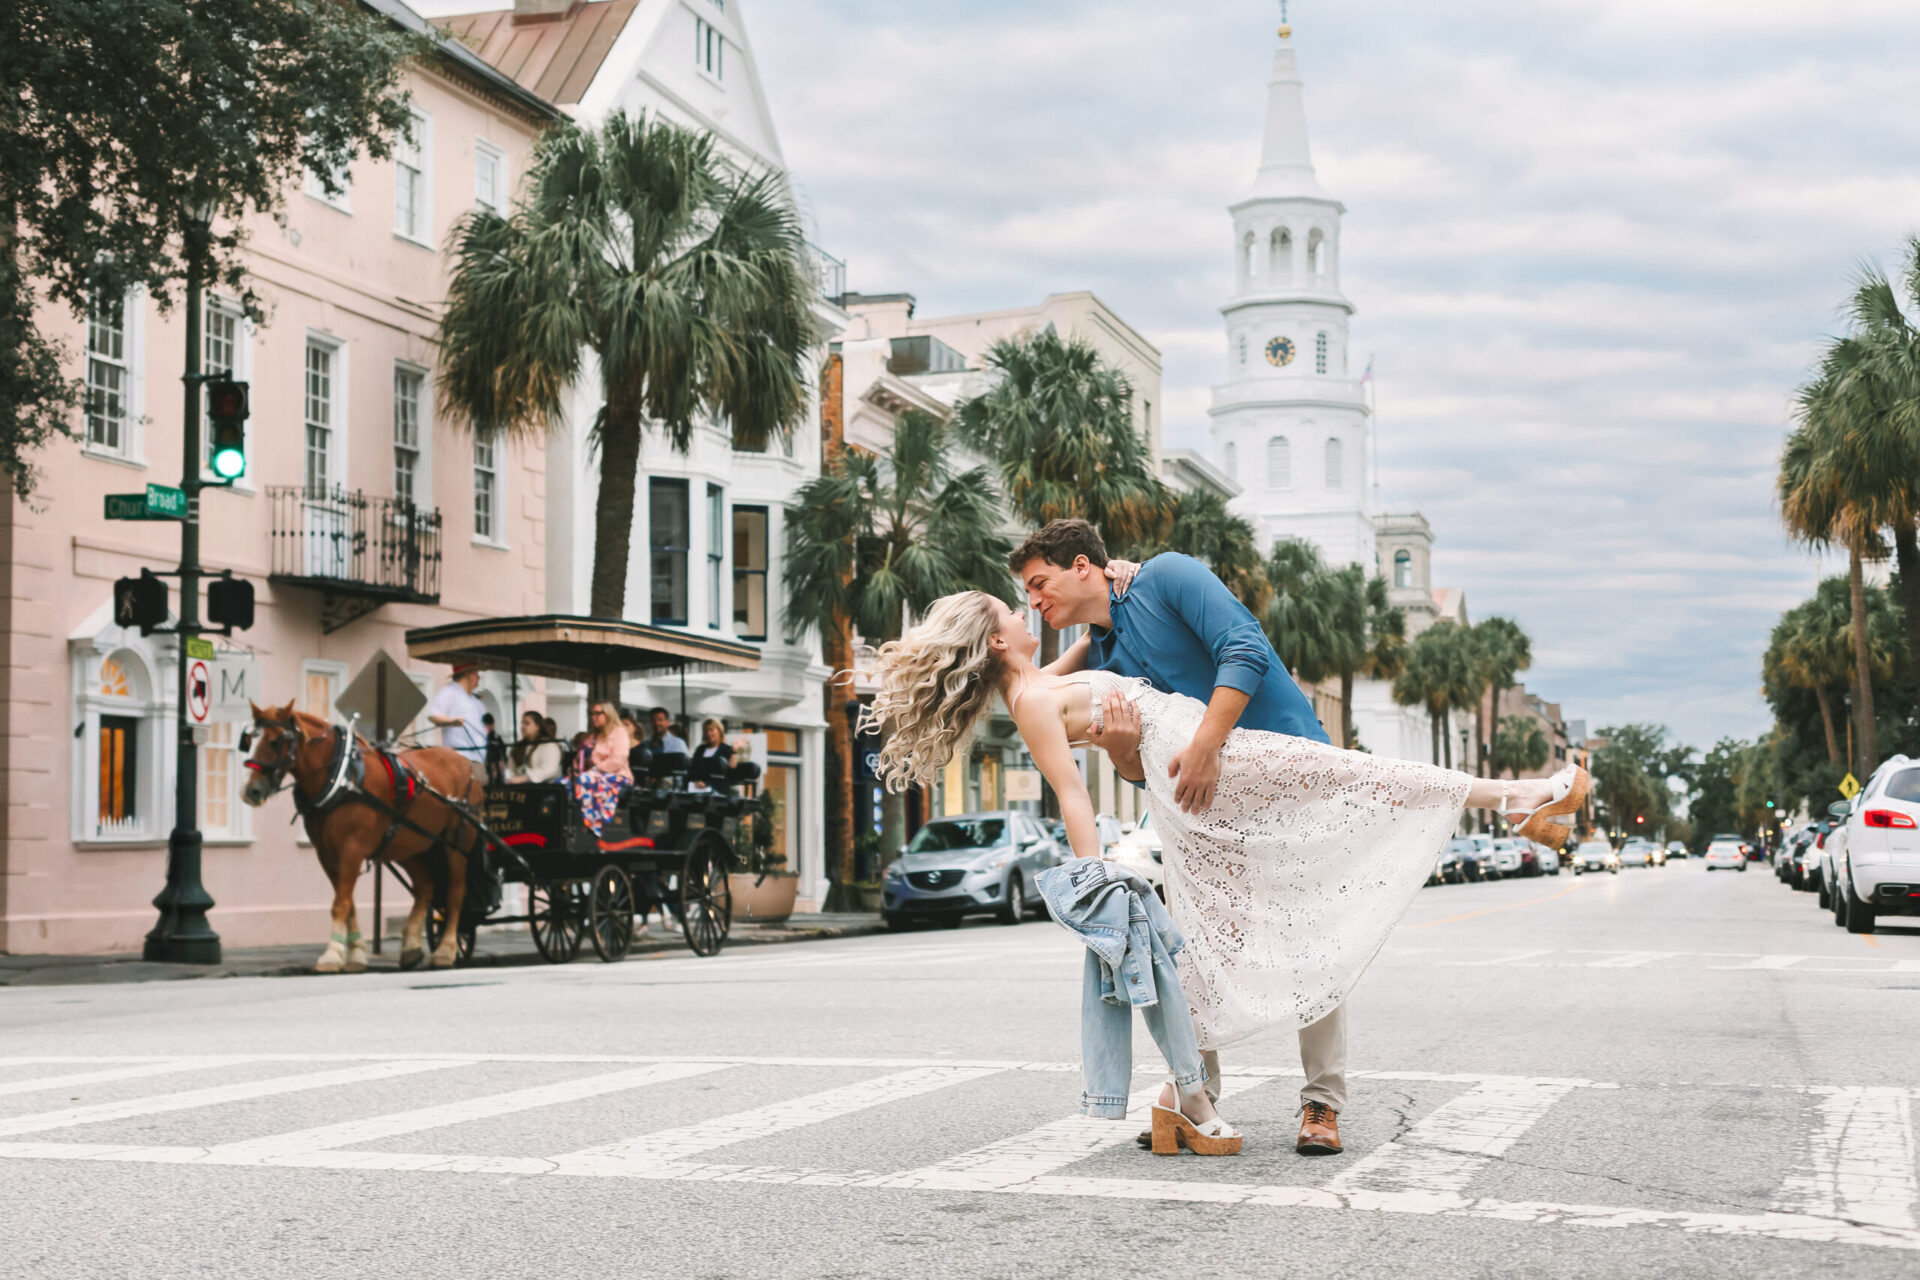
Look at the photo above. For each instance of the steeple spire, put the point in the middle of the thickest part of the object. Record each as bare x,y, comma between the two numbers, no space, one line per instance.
1286,164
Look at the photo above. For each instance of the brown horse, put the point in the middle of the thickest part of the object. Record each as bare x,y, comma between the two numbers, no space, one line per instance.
351,824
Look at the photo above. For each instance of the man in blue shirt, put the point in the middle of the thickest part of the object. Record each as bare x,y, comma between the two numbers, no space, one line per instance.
1178,627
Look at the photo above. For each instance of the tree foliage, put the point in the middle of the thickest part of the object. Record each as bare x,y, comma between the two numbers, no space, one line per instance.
118,115
638,242
1199,524
1519,746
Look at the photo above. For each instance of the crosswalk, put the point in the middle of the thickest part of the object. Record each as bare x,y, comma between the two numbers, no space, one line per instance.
1694,961
1851,1178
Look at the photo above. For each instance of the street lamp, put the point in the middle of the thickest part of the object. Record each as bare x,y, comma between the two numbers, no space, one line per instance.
182,934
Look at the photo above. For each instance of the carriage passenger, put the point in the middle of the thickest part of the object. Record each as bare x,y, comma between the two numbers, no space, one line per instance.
536,757
599,785
712,758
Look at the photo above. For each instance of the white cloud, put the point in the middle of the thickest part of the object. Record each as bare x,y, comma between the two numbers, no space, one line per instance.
1593,247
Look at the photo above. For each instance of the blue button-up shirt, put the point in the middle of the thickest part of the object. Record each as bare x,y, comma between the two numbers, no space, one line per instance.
1181,630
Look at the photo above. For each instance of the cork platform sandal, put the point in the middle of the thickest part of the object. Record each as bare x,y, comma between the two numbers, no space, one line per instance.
1551,823
1172,1131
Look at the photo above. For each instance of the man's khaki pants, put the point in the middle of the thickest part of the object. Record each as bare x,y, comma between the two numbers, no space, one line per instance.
1323,1056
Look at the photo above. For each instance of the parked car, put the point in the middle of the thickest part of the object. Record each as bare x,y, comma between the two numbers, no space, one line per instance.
1138,849
1676,849
1473,864
1447,868
1483,846
1727,851
1874,849
1509,855
1596,855
970,864
1638,853
1546,861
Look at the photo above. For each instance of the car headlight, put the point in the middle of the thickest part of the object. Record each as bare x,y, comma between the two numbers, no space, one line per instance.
895,872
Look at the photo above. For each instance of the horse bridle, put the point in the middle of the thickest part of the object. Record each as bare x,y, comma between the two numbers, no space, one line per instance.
291,737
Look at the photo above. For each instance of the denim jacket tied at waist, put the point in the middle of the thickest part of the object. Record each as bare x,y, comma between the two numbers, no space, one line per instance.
1119,918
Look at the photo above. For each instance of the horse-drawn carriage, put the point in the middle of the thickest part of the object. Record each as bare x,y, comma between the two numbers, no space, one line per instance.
669,845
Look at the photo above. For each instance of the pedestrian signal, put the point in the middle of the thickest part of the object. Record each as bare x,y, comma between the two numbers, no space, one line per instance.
230,603
140,602
227,428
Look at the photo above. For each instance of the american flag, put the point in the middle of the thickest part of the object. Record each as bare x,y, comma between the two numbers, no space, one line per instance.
1368,375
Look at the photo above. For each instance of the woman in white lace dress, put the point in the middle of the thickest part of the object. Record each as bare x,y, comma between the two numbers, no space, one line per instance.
1286,885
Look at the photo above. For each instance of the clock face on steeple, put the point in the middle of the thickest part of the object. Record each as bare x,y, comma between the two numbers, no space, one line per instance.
1280,351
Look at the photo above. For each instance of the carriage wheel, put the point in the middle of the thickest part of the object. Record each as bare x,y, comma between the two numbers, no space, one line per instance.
553,917
437,929
706,901
610,914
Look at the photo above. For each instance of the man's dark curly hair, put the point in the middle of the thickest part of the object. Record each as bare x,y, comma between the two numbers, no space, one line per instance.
1058,544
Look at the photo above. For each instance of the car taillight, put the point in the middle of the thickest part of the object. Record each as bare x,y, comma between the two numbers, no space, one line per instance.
1888,818
1744,849
1820,841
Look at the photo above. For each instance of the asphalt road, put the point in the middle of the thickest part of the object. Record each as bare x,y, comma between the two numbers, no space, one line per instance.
1667,1072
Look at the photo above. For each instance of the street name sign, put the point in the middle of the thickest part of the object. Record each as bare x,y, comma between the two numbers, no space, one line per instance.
159,502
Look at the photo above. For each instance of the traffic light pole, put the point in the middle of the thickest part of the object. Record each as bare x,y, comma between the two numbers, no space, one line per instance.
182,935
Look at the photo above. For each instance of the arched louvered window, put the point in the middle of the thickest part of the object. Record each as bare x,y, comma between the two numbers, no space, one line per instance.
1280,255
1279,463
1403,568
1334,451
1230,461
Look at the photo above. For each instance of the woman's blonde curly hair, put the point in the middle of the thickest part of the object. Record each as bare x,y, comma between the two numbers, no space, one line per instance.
935,682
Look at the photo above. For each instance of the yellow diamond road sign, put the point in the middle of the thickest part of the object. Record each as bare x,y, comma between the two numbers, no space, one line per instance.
1849,786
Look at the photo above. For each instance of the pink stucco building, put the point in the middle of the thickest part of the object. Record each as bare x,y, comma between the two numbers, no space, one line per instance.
361,515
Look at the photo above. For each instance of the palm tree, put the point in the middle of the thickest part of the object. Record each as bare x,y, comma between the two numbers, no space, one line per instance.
1519,744
1809,650
878,537
1828,494
1505,651
639,242
1299,618
1199,525
1367,635
1059,423
1438,677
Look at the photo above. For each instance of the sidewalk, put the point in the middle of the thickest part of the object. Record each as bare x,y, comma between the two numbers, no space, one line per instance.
499,947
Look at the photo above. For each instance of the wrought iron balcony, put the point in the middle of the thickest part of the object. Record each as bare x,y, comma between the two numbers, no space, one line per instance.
358,552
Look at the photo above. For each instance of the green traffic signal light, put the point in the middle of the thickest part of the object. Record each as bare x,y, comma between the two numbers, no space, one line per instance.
227,428
1769,804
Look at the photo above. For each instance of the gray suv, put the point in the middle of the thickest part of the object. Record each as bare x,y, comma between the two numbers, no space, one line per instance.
970,864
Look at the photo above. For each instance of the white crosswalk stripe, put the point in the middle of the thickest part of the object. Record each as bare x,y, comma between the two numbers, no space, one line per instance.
1855,1184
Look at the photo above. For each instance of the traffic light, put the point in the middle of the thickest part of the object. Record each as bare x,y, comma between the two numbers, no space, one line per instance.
227,428
140,602
1639,819
230,603
1769,804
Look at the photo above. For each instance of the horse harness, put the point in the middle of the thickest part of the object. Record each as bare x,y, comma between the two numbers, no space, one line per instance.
346,784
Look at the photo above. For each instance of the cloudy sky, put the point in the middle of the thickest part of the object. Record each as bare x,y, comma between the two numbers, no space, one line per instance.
1593,247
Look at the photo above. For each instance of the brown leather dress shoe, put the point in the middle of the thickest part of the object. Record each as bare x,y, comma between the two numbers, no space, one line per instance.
1319,1130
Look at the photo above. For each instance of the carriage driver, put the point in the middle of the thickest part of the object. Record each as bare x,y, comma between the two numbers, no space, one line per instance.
459,714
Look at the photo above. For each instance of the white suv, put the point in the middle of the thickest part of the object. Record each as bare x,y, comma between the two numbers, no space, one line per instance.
1727,851
1138,850
1875,848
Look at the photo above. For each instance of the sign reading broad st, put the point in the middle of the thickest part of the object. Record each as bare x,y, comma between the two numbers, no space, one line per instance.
159,502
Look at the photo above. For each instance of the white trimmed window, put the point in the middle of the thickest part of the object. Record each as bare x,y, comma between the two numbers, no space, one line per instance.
111,416
317,188
489,176
1243,350
322,359
486,487
121,769
716,550
409,411
224,353
1230,461
412,182
1320,352
222,773
1279,463
1335,476
709,49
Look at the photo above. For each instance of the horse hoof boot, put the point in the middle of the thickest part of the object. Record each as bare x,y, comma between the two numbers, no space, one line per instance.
356,957
334,958
438,961
411,958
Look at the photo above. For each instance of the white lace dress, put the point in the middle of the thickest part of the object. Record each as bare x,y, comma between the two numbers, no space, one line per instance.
1289,883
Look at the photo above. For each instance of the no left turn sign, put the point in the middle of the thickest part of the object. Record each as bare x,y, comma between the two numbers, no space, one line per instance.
199,692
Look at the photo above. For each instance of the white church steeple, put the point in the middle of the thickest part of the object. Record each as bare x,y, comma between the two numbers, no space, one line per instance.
1290,422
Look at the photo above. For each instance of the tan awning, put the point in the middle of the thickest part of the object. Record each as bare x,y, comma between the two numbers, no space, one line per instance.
574,648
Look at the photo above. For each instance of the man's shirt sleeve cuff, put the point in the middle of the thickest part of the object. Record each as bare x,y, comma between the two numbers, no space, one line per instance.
1242,677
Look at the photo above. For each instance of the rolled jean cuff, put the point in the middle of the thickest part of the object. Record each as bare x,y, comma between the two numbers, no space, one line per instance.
1190,1083
1103,1106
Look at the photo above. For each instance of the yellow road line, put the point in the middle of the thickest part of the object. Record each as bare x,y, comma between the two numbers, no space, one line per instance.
1868,938
1511,906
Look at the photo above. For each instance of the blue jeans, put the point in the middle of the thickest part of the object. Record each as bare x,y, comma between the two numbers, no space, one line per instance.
1106,1038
